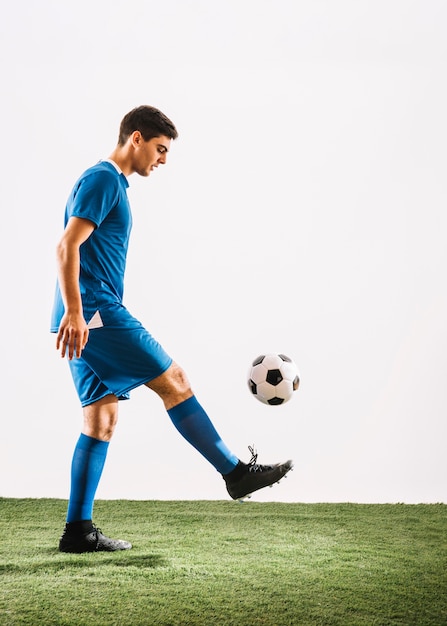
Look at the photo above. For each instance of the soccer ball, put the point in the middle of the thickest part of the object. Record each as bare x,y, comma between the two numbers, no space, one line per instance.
273,378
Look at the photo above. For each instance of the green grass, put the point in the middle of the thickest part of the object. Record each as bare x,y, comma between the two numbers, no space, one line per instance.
225,563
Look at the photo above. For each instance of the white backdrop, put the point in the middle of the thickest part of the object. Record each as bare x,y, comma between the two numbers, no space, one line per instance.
302,210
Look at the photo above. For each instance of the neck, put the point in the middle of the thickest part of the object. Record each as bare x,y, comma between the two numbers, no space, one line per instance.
121,157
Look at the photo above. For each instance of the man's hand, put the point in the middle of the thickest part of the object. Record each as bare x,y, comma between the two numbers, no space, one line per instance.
72,336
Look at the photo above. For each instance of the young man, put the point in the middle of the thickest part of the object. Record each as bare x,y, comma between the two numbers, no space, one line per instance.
109,352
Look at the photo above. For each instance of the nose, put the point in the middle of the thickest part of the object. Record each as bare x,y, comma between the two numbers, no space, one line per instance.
162,158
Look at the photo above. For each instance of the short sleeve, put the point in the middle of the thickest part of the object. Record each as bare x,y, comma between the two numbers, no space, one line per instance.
94,196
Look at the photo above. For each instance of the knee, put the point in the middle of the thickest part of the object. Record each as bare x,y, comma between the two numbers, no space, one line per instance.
179,380
102,430
100,420
172,386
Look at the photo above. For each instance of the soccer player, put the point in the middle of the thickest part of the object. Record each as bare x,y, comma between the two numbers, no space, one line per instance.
109,351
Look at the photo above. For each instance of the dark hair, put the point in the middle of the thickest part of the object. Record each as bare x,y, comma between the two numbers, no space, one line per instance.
149,121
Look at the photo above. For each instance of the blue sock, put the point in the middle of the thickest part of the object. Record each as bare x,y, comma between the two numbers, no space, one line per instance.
195,426
88,461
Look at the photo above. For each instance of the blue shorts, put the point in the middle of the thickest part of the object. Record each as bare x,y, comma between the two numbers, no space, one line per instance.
120,355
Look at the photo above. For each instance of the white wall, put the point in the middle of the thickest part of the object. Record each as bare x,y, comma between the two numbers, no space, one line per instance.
302,210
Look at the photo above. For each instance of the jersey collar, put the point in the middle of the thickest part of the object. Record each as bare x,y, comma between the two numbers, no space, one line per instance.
117,167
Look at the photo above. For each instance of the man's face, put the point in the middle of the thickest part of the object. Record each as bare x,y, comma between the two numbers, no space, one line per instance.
149,154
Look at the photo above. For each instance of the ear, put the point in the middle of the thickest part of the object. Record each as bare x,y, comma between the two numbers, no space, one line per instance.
136,138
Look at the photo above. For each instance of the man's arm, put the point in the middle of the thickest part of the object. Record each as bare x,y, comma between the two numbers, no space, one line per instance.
73,332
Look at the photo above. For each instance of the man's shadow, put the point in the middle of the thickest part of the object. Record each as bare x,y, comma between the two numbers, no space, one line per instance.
122,558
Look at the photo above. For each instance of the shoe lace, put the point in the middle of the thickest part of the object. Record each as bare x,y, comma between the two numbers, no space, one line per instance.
254,455
252,465
97,531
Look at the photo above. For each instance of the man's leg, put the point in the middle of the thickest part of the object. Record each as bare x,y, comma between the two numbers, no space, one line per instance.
194,425
87,464
191,420
80,534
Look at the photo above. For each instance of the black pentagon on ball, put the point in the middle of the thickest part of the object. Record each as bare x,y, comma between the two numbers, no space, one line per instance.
274,377
285,358
274,401
252,387
296,383
258,360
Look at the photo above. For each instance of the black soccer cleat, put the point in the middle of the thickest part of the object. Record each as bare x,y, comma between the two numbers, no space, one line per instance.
92,541
249,477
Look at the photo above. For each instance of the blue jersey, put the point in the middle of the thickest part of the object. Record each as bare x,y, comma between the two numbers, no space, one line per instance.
99,195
